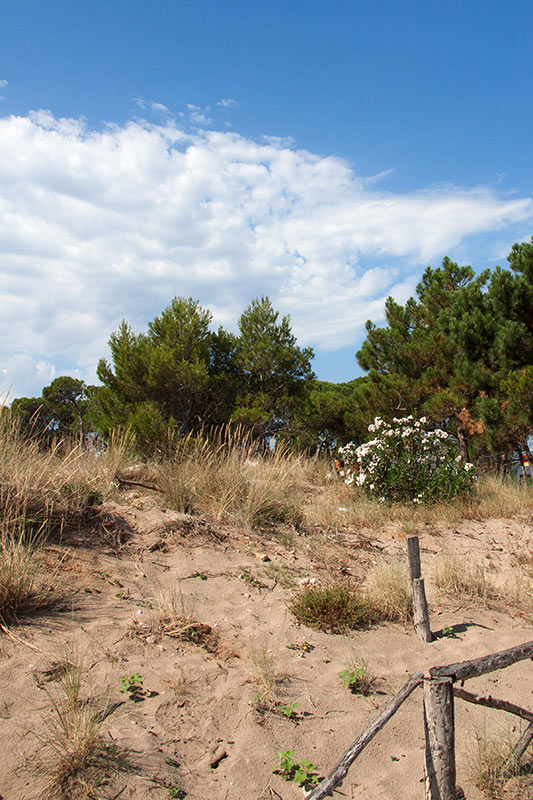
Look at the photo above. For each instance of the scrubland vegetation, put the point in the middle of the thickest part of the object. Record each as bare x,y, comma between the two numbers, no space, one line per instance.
64,495
266,485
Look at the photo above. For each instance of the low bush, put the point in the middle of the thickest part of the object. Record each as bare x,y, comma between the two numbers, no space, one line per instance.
333,609
407,461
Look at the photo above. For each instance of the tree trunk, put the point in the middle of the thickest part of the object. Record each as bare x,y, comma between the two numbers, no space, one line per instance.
463,445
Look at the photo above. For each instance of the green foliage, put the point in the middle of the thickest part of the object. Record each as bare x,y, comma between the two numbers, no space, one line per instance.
453,352
132,685
357,680
62,410
303,773
289,710
180,376
407,461
176,792
333,609
331,414
274,373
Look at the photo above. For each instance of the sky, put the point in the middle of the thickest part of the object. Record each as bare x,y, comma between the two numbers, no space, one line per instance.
320,153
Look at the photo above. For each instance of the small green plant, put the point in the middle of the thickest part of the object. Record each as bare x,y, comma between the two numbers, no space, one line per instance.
358,681
447,631
303,647
132,685
303,773
333,609
289,710
251,580
176,792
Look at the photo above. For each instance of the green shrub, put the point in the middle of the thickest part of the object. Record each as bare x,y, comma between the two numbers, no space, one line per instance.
333,609
407,461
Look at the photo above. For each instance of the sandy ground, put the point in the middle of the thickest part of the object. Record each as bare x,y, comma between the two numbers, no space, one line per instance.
197,726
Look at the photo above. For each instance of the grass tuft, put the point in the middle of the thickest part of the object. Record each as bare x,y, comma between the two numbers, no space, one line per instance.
23,587
221,475
390,594
464,581
74,754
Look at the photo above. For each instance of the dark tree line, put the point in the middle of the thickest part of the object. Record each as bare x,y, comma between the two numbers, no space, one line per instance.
460,352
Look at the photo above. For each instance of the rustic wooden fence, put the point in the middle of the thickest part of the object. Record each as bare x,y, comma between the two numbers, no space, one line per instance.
439,725
439,694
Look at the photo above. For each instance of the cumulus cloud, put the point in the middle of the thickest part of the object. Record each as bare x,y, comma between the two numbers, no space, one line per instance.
96,226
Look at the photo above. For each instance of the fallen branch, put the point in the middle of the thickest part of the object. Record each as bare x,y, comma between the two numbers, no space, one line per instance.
338,774
128,482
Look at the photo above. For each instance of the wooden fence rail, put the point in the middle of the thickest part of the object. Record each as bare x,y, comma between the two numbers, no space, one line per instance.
439,722
338,773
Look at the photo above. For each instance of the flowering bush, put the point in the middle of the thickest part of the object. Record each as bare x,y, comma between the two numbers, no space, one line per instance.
406,461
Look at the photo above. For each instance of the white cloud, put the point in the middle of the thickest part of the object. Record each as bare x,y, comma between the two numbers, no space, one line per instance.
227,102
3,84
100,225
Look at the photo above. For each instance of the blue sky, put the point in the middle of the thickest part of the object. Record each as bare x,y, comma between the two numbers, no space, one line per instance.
323,153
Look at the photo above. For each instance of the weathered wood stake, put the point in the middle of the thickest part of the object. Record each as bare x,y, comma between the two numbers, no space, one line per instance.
418,592
440,739
413,554
420,611
492,702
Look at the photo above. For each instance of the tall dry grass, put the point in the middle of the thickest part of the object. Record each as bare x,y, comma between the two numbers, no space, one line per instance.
462,580
221,475
26,586
73,753
52,490
331,503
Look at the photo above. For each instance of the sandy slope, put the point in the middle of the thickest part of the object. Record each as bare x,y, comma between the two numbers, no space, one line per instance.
198,727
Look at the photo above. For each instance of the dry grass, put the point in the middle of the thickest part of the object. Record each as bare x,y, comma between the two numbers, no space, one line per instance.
265,675
463,581
222,476
389,592
172,615
25,585
53,490
73,755
486,759
332,504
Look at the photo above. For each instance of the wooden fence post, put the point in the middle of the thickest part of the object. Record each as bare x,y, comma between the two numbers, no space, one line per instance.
418,592
440,739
